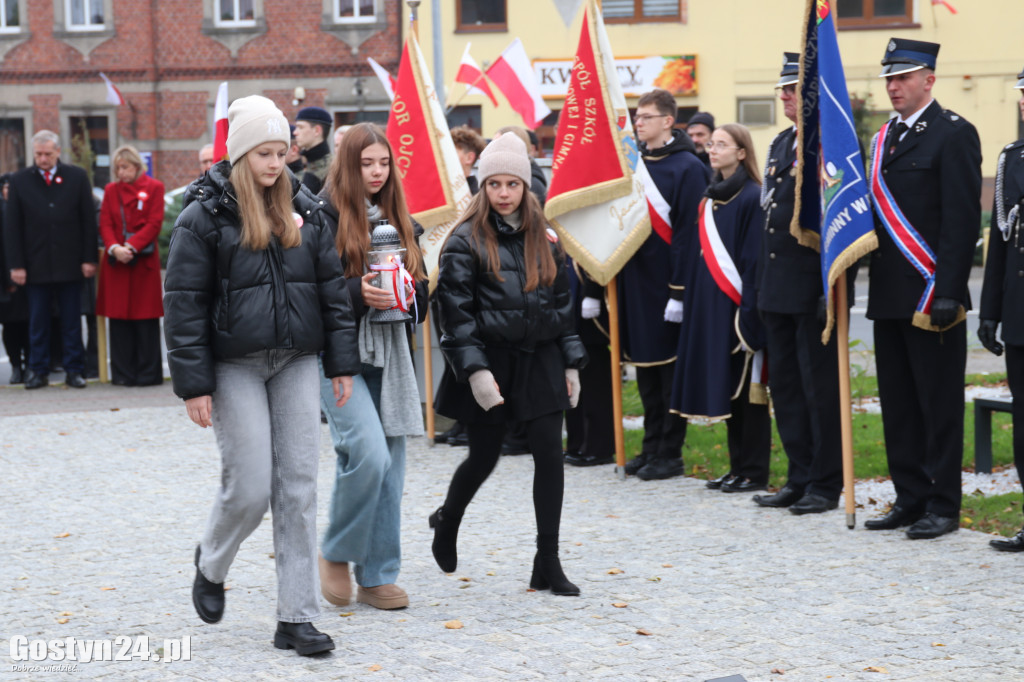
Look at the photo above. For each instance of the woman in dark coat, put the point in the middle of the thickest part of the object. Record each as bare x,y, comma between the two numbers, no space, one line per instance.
254,292
129,283
513,354
719,373
13,307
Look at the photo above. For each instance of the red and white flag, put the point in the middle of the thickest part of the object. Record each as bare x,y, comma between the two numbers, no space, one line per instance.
945,4
385,78
113,94
475,80
436,190
513,73
220,124
598,199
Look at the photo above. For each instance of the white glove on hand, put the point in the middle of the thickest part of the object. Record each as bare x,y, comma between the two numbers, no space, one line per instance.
572,378
485,389
674,311
590,308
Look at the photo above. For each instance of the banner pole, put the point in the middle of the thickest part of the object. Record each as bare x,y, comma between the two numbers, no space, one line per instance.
845,410
101,328
613,335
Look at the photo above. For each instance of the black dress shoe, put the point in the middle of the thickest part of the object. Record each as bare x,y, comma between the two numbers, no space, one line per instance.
741,484
785,497
660,468
717,483
303,637
813,504
1014,544
75,380
578,460
932,526
897,517
207,597
34,380
636,464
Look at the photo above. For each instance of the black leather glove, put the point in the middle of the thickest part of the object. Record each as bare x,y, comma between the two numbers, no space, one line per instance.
944,311
822,311
987,336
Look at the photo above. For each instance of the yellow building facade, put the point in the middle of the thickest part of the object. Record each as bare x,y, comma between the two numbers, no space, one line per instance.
738,46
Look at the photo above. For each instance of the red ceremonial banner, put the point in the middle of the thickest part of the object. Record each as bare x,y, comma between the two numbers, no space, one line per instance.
588,156
417,157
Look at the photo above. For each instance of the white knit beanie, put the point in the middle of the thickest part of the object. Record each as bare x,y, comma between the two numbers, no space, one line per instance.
252,121
505,155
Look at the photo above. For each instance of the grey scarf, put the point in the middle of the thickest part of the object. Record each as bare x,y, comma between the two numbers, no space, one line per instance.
385,346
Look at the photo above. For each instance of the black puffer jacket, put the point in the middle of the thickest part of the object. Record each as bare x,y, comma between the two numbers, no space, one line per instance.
478,311
223,300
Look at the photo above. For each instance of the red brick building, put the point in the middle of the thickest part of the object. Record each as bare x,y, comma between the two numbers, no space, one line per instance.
167,57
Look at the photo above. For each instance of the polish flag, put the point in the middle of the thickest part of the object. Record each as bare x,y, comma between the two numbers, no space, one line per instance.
513,73
470,74
945,4
113,94
220,124
386,79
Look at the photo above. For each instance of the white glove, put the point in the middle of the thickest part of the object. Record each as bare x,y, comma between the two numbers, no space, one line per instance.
485,389
572,378
591,308
674,311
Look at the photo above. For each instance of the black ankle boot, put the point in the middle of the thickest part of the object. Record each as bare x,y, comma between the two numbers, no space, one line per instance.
446,535
207,596
303,637
17,374
547,569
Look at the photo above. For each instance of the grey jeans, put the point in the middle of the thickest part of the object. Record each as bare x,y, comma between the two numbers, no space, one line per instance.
266,416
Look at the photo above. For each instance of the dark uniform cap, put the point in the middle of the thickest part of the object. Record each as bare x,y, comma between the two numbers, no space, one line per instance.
1020,81
790,69
314,115
702,118
903,56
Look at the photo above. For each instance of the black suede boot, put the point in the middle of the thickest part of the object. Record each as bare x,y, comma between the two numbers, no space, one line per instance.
547,569
446,534
303,637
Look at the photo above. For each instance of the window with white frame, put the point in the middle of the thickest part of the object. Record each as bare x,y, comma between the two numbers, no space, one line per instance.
10,19
349,11
235,13
84,15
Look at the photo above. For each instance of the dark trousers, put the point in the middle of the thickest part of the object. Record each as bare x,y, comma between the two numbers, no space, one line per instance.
15,337
544,436
749,434
804,379
921,387
664,433
589,427
1015,377
135,353
68,296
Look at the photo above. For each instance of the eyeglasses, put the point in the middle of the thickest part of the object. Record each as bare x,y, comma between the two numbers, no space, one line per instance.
721,146
644,118
789,89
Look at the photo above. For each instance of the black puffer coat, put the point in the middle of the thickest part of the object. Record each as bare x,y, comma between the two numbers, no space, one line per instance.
478,311
223,300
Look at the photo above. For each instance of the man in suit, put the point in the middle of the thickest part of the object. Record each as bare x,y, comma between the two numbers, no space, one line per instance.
925,176
803,374
1002,295
50,239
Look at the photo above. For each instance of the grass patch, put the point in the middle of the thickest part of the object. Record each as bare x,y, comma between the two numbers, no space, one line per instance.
998,514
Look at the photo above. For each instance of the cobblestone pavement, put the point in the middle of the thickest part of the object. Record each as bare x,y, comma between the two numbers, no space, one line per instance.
102,510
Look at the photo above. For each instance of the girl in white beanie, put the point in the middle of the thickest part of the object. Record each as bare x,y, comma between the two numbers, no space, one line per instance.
253,293
513,353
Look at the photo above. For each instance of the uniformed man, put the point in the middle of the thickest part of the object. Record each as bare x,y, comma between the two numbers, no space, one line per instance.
1002,295
803,374
312,128
925,173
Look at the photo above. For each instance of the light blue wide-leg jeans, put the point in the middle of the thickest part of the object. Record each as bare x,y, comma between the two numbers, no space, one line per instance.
364,518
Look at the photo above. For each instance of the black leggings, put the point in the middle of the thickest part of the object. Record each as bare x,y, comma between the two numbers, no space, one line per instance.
544,437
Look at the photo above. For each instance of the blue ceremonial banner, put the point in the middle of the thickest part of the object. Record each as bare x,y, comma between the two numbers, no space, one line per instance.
833,211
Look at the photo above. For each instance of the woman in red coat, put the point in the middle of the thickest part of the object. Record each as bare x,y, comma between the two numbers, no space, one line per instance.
130,293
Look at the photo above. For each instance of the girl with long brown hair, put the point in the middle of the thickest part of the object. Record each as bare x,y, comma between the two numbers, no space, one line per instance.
369,431
512,350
